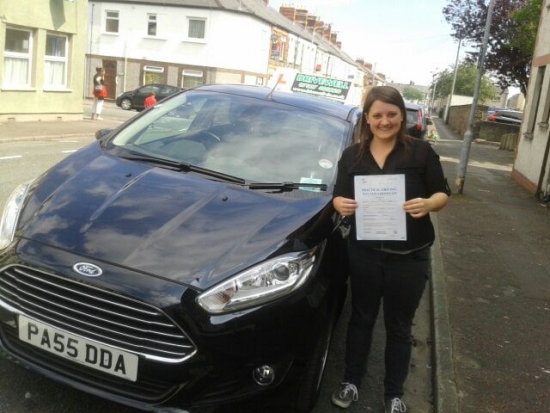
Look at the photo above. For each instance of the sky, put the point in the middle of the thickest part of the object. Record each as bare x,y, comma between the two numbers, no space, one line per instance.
406,40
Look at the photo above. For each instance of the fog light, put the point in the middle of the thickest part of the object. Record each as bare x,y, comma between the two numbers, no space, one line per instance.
264,375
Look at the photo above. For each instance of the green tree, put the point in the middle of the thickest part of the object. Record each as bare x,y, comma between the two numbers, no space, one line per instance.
512,36
412,94
466,77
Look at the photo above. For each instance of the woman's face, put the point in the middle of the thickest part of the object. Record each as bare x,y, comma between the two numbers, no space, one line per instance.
384,120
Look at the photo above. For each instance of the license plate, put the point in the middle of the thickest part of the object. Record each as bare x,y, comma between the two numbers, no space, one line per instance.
78,349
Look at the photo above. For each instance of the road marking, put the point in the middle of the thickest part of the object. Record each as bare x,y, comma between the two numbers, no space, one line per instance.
71,151
2,158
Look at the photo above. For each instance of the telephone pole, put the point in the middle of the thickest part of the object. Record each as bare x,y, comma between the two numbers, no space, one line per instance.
468,135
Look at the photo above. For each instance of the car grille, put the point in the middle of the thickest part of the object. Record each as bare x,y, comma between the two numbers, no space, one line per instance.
95,314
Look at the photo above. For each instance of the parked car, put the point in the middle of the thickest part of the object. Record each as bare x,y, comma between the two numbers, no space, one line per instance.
134,99
417,120
511,117
189,259
491,109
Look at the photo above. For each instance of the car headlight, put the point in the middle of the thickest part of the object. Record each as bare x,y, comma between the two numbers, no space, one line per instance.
11,212
262,283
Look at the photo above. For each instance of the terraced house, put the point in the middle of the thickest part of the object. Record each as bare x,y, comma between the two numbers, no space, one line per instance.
50,49
42,46
186,43
532,164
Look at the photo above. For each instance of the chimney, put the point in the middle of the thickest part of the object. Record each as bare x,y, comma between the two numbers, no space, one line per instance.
288,12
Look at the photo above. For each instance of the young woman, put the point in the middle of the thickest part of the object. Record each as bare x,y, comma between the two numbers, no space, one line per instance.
99,92
387,271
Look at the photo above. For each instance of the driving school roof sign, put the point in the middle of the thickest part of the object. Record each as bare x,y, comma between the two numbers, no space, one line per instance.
321,86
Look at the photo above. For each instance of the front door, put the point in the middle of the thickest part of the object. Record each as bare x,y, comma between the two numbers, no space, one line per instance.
110,78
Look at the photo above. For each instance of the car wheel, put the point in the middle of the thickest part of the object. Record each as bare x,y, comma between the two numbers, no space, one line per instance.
312,379
126,104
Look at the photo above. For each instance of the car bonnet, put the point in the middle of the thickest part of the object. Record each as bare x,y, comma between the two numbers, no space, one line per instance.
171,224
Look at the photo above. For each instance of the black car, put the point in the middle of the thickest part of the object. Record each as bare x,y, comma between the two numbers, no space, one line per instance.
189,259
134,99
417,120
510,117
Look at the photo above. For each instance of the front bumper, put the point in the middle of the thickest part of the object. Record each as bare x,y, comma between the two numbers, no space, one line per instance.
226,349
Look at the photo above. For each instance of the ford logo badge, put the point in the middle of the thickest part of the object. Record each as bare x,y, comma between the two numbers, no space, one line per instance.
88,270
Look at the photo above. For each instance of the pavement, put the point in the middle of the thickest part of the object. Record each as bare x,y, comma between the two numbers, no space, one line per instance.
490,288
488,305
10,131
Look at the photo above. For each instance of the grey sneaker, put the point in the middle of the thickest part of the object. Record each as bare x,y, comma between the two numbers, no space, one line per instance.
395,405
345,395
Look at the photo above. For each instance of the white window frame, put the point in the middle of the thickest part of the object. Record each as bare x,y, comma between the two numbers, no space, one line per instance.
191,20
55,64
152,22
14,80
191,74
110,17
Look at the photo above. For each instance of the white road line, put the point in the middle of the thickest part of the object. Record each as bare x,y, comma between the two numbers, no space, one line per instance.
2,158
71,151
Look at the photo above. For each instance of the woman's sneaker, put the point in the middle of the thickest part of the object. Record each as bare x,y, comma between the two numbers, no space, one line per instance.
395,405
345,395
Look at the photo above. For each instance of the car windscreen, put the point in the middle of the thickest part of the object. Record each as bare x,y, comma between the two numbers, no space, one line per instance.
253,139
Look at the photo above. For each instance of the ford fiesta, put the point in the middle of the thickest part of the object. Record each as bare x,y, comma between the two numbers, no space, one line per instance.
189,259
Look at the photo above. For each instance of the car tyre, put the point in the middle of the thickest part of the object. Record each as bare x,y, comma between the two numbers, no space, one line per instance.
126,104
312,379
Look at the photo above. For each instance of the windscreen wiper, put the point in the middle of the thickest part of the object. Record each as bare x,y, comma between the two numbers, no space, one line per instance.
286,186
185,167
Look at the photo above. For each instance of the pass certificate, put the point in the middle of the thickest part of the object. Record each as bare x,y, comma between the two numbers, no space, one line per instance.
380,215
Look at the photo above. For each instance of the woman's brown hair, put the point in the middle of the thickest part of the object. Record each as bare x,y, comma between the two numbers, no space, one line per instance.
386,94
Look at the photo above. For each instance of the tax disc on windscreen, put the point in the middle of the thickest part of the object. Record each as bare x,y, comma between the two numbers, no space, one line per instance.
325,163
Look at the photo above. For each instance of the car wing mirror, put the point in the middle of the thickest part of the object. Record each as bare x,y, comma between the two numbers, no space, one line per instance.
101,133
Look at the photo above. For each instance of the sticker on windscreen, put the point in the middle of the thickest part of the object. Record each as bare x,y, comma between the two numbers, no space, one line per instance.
304,180
325,164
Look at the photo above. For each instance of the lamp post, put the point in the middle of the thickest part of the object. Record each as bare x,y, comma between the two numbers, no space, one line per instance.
468,135
446,116
434,82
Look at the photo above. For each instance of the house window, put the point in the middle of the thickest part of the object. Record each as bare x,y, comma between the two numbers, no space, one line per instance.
537,77
191,78
275,46
196,29
153,74
111,22
55,61
152,25
278,47
17,58
545,119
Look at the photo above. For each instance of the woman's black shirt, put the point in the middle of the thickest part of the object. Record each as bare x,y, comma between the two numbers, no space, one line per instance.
423,177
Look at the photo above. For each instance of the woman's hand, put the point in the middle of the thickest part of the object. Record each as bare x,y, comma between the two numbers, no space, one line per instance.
418,207
344,206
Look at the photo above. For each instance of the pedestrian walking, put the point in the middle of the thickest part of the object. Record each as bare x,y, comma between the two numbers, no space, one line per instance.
150,100
99,92
387,272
